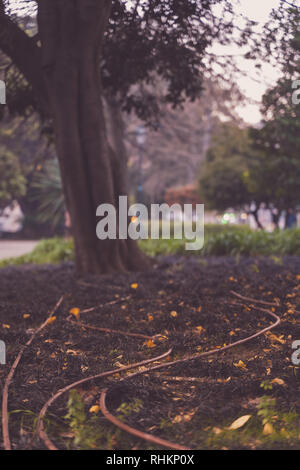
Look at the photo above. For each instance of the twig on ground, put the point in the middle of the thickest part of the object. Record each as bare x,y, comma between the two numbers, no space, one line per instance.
113,302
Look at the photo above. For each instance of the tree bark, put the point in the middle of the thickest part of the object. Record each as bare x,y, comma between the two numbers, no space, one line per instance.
71,34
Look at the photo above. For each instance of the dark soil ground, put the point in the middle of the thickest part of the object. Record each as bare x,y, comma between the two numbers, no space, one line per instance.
194,413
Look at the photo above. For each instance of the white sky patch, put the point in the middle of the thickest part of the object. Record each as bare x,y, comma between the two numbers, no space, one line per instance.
253,82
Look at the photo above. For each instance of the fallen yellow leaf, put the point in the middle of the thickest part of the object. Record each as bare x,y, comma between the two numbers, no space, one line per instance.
150,344
94,409
134,285
51,320
173,314
26,315
240,364
268,429
278,381
217,430
162,338
119,364
75,311
199,329
73,352
238,423
177,419
188,417
276,338
5,325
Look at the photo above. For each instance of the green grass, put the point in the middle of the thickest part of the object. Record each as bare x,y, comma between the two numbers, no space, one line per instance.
220,240
52,250
226,242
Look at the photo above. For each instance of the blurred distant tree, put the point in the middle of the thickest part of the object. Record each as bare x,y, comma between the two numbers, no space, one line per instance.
275,168
229,140
224,180
222,185
22,137
221,180
280,43
12,181
175,150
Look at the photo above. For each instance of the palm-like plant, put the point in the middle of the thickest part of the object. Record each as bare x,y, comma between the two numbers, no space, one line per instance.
48,193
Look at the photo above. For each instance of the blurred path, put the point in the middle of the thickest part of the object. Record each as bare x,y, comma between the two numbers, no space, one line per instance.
13,248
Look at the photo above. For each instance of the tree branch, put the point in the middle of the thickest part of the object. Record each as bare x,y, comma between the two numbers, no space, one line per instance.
24,53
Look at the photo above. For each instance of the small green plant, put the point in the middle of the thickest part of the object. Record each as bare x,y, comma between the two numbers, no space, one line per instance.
126,409
90,432
165,423
266,385
87,432
266,409
76,416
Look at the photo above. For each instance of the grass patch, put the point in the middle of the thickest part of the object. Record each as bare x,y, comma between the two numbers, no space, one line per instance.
220,240
232,242
52,250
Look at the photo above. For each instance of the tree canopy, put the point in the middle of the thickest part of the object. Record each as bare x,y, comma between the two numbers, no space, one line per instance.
146,41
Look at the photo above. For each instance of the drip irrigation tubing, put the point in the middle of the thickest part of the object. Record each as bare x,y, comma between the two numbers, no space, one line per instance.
150,438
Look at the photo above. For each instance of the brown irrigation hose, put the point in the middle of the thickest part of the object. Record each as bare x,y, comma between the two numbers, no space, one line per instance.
114,420
258,301
133,431
108,330
249,299
149,437
5,427
40,426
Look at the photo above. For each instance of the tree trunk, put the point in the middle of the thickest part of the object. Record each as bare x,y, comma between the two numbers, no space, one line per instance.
72,33
275,217
256,218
